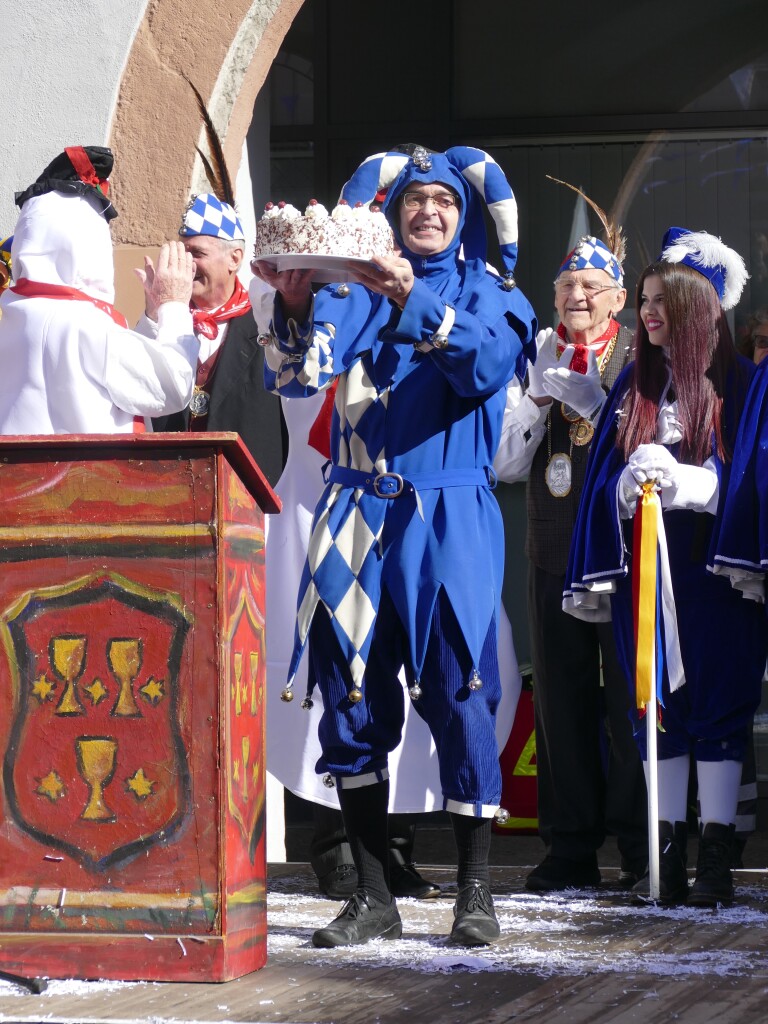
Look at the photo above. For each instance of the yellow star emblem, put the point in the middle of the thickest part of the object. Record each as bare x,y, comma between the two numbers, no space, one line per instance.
153,690
140,785
51,787
42,688
97,691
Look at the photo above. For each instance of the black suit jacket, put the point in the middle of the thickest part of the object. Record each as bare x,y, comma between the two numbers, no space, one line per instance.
240,402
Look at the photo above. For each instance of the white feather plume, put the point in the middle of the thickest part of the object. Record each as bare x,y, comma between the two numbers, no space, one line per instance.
705,250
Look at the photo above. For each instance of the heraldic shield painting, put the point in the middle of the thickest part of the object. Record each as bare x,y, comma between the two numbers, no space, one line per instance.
95,765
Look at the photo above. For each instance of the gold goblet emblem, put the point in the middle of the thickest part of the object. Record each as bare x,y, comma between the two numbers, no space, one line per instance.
67,654
96,764
124,657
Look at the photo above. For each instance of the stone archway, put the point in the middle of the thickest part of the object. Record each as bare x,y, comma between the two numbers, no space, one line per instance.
227,51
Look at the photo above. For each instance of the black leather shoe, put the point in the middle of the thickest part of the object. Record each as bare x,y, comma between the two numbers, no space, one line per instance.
560,873
475,921
405,882
361,918
340,883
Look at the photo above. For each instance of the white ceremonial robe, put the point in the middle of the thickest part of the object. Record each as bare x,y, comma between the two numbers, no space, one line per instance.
68,368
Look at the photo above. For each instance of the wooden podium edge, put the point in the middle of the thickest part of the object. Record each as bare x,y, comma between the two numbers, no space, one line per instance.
228,442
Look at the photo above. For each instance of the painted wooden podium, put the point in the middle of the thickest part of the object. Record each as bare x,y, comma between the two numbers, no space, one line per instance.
132,679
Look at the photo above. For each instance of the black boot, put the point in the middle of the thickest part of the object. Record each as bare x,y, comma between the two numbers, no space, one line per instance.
713,883
673,860
405,880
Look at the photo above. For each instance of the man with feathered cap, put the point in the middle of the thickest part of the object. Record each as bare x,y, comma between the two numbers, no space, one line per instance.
229,387
71,364
577,681
406,555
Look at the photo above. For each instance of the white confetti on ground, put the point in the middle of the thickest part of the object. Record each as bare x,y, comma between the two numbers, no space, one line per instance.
558,934
555,935
69,987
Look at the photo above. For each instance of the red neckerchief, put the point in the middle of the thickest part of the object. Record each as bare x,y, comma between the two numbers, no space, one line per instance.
39,290
579,359
206,321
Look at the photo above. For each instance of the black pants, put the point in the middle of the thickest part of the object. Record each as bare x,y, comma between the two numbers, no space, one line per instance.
589,773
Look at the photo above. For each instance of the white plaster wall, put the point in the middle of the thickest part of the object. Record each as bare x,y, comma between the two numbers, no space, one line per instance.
61,64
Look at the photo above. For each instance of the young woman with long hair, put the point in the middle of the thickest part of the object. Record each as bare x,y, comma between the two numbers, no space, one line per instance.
672,419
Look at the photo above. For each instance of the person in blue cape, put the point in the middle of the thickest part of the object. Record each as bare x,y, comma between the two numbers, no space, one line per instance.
406,559
741,548
672,418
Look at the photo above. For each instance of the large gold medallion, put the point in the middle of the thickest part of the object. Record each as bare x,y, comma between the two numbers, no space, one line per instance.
581,432
558,475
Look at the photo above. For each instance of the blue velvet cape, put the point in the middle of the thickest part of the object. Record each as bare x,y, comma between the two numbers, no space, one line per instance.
722,636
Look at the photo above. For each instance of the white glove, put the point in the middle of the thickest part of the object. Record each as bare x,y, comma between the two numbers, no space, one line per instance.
582,391
262,298
629,491
546,358
654,462
694,487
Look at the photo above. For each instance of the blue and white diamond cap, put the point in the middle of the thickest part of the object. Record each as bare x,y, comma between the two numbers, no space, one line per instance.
489,181
207,215
590,253
479,170
375,174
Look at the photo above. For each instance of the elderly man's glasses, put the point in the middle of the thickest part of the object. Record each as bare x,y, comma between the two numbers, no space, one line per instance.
417,200
760,340
591,288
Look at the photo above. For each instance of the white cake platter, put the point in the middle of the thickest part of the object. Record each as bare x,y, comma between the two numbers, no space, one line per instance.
326,268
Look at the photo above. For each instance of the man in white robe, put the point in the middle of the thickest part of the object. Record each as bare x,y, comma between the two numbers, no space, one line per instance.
70,365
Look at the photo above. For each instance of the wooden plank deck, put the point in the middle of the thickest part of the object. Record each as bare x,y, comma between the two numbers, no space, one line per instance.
578,958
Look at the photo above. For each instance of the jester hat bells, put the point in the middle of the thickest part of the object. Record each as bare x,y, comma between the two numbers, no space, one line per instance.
709,256
590,253
79,170
212,213
473,174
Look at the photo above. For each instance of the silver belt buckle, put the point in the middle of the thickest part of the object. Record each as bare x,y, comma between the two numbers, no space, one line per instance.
388,494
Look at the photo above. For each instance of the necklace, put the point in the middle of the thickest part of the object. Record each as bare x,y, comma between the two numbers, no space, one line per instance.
558,474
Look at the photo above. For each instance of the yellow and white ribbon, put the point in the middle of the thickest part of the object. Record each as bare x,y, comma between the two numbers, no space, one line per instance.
651,550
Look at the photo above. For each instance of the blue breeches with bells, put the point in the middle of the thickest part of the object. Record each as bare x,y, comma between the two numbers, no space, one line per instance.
357,738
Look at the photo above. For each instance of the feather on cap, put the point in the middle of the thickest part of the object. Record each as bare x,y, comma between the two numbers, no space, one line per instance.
591,253
723,267
212,213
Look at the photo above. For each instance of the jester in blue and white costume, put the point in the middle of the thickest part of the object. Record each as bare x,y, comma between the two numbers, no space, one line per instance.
406,557
672,418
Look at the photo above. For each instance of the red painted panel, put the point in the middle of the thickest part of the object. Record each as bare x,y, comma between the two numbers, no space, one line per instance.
131,719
